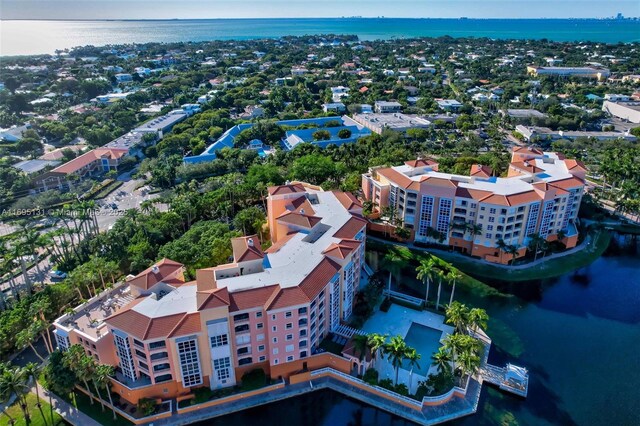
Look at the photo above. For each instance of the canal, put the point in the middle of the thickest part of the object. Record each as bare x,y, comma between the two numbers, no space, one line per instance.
579,335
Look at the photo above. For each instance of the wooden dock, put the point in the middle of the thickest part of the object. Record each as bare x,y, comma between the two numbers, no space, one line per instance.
510,378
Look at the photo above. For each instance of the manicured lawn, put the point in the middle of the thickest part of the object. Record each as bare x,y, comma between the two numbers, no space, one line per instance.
36,417
547,269
82,403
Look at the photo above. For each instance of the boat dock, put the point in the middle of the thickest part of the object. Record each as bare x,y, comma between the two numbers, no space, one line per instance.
510,378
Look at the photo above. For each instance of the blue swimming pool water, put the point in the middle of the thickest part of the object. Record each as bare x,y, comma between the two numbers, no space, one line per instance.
426,341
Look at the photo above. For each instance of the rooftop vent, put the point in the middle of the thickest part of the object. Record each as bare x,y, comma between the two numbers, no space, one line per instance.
250,242
155,269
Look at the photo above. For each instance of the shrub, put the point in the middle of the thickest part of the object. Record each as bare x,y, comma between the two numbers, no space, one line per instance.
402,389
321,135
146,406
344,134
371,376
254,379
386,384
203,394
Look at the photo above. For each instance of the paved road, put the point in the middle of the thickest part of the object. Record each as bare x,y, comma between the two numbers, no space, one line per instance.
68,412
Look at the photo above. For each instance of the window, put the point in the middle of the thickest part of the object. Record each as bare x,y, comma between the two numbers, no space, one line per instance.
290,358
260,337
245,361
287,314
262,358
426,210
289,348
219,340
275,351
136,342
444,212
189,362
289,326
163,378
303,332
143,365
241,317
489,227
159,355
242,328
289,337
259,325
221,366
161,367
302,322
492,211
276,361
157,345
303,354
243,351
258,314
302,311
492,219
275,340
141,354
260,348
273,317
303,343
488,235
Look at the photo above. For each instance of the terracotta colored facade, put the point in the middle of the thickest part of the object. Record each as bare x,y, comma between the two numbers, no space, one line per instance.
266,309
475,214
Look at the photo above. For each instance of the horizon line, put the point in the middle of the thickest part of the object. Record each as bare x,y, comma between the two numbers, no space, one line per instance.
612,18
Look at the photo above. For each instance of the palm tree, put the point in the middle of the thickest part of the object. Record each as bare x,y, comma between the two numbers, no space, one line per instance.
413,357
453,275
442,360
360,345
478,319
469,362
440,273
535,243
13,382
513,251
32,371
502,247
376,344
396,351
458,315
73,359
426,272
396,259
103,373
25,337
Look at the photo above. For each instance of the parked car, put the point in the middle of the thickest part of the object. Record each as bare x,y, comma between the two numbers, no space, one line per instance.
57,275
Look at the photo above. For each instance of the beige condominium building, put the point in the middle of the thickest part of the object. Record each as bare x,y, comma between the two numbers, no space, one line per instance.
480,214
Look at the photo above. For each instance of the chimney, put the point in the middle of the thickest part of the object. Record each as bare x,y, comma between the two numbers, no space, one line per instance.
301,211
155,269
250,242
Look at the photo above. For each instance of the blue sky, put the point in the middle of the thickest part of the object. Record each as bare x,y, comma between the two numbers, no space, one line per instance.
166,9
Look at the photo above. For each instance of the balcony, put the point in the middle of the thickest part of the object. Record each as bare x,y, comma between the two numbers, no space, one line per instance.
131,384
159,356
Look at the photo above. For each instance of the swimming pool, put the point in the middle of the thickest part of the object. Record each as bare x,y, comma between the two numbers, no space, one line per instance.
426,341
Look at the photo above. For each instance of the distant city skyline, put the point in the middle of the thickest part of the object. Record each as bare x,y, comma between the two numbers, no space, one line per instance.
208,9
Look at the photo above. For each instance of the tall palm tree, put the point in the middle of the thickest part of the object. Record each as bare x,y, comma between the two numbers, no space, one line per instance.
360,345
426,272
396,259
413,357
468,362
478,319
442,360
25,337
32,371
396,350
73,359
536,242
376,344
440,274
13,382
103,373
452,276
457,314
502,247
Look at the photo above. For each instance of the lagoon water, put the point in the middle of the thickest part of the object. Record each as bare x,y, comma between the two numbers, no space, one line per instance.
39,37
579,335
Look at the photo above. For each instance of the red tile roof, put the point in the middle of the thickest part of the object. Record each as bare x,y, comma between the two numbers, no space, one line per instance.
166,270
572,182
575,164
286,189
299,219
480,170
395,177
246,248
526,166
528,149
350,229
216,299
189,324
89,157
420,162
290,296
319,277
253,298
348,200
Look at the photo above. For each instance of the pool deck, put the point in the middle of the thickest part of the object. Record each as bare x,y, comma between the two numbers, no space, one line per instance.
397,321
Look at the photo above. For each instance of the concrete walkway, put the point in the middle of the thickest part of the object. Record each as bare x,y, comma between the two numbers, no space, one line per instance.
68,412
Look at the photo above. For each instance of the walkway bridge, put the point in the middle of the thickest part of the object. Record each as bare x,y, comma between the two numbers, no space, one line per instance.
510,378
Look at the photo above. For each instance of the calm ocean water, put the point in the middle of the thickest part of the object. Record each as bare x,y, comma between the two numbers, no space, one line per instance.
37,37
